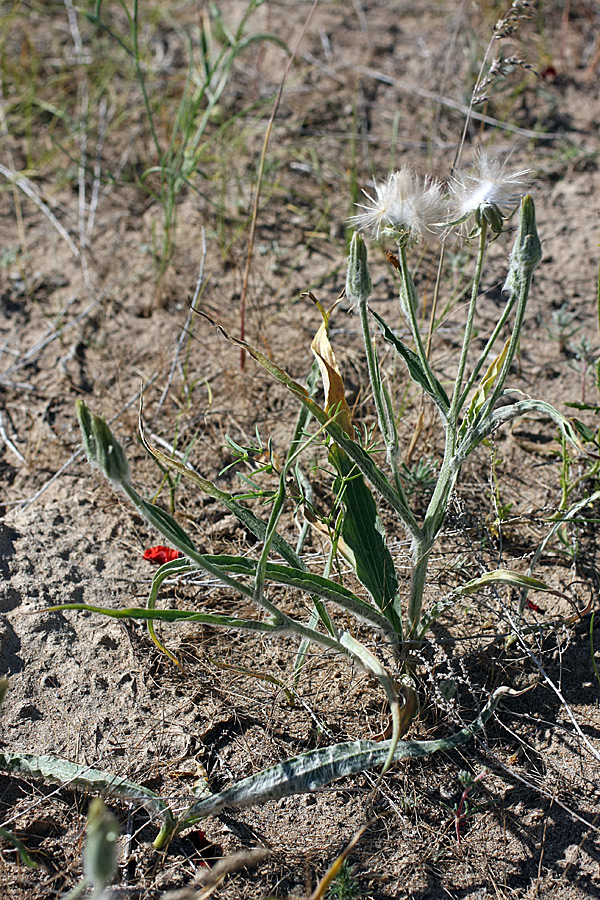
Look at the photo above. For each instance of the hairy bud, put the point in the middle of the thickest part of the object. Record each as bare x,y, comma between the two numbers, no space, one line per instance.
358,280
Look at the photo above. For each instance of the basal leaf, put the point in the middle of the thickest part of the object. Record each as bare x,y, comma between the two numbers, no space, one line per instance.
317,768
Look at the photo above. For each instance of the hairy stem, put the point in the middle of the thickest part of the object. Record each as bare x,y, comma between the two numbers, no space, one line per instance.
457,397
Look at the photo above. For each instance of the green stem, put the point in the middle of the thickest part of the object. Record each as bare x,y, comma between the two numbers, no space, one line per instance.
421,552
457,397
412,319
434,519
387,425
523,294
487,349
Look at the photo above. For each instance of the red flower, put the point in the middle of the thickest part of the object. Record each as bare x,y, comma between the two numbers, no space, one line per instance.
531,605
160,555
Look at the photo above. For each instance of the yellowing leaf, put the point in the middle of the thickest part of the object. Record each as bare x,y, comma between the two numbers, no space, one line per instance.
485,386
333,384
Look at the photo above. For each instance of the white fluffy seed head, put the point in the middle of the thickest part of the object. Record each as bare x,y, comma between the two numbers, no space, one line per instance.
488,187
404,205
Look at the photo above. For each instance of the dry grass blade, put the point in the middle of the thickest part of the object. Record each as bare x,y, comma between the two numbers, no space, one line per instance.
333,871
207,882
29,189
258,187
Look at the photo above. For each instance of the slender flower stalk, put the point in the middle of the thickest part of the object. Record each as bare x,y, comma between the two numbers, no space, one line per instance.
525,256
457,396
407,290
358,289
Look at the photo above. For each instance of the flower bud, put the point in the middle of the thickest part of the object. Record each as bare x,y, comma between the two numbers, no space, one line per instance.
527,249
102,447
492,214
358,280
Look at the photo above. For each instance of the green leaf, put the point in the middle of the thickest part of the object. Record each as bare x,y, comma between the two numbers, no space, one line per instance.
170,615
25,857
585,431
167,525
100,848
63,772
255,525
414,366
505,576
484,387
592,407
363,532
168,570
307,582
307,772
356,453
482,429
317,768
370,662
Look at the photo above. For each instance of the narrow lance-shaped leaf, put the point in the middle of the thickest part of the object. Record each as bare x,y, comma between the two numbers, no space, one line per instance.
14,840
505,576
63,772
363,533
302,773
361,529
100,848
317,768
414,366
167,570
307,582
485,386
356,453
483,428
255,525
372,664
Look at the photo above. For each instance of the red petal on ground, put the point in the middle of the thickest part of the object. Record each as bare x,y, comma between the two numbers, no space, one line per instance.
531,605
161,555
